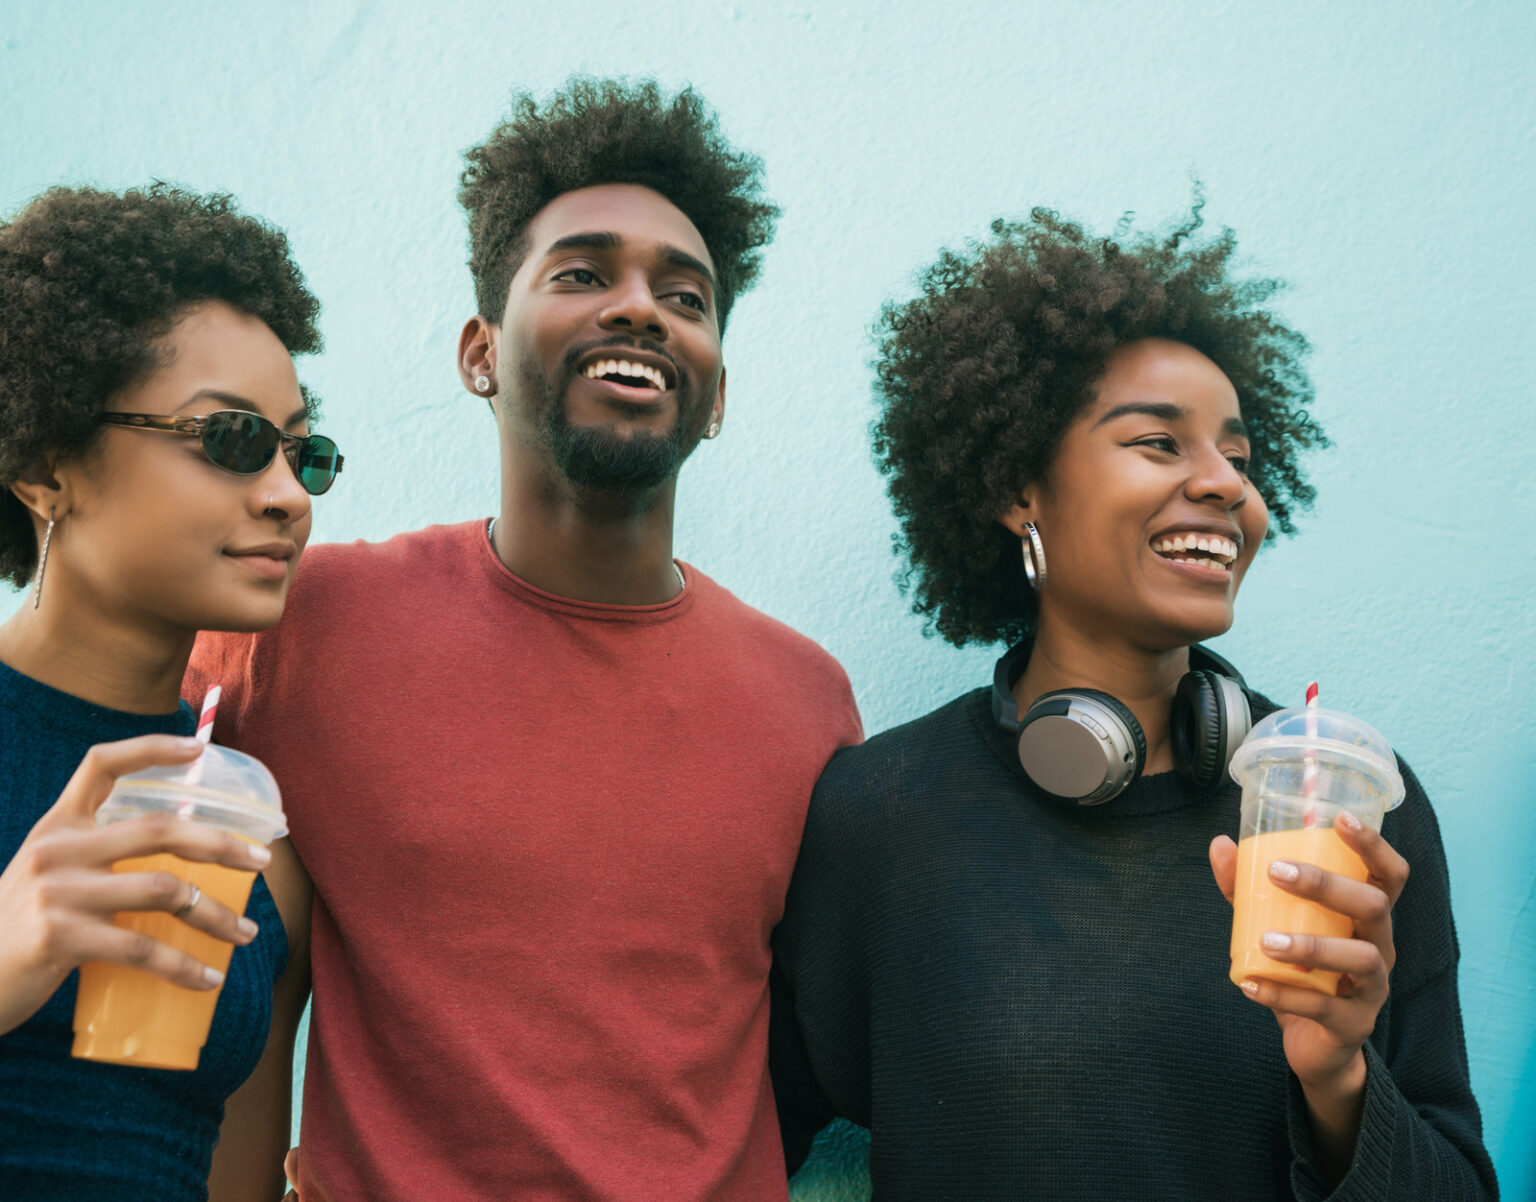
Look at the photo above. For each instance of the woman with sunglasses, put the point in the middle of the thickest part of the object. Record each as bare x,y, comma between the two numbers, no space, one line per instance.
154,444
1003,950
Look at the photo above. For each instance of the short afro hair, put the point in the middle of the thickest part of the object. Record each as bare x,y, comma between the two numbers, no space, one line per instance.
980,375
89,281
612,132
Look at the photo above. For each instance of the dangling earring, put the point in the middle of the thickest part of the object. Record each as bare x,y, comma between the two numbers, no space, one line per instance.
482,384
42,561
1034,557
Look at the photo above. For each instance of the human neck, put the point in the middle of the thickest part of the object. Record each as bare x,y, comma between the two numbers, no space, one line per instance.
608,548
1065,657
101,659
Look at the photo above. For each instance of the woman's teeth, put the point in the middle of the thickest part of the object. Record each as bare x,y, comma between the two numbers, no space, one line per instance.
636,375
1207,550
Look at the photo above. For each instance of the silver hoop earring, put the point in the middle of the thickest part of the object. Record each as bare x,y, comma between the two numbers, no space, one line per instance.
42,561
482,384
1034,557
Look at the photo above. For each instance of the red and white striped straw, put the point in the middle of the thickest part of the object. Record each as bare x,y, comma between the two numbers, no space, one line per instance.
205,735
1309,762
211,707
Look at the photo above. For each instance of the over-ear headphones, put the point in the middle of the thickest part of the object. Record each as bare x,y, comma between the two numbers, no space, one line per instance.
1084,745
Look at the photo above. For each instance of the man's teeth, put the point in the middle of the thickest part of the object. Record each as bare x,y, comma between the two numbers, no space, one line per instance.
623,367
1209,550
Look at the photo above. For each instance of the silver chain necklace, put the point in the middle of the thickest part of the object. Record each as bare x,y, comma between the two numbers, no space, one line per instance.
490,532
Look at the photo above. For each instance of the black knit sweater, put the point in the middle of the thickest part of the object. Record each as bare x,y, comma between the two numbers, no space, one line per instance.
1024,998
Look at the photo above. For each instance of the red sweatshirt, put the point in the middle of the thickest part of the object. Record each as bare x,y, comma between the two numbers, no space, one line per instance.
549,841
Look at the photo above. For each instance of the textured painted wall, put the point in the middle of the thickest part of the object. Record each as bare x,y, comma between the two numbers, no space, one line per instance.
1378,155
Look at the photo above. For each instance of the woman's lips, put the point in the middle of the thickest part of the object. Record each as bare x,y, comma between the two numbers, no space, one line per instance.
264,567
1196,571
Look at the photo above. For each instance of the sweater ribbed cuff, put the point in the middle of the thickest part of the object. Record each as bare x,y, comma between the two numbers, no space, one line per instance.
1371,1169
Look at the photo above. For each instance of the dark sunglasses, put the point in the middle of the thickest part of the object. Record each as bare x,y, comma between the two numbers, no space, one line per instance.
246,443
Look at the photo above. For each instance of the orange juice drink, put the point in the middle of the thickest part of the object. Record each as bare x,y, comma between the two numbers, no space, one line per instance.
1301,770
127,1015
136,1017
1261,905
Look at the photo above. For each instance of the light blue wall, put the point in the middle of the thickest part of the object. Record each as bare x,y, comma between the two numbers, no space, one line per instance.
1379,155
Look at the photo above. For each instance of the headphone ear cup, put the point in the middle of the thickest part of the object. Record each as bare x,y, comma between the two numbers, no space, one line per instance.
1210,718
1196,730
1133,727
1081,744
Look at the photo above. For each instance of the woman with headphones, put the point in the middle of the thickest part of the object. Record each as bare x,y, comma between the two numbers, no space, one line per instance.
1004,950
158,469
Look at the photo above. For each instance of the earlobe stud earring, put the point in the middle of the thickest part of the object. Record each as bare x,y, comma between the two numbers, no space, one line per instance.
482,384
713,430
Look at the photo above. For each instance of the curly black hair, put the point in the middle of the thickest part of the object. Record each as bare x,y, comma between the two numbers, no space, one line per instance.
979,376
612,132
89,282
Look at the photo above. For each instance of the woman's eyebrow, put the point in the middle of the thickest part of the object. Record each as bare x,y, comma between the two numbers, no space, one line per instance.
231,400
1167,412
1161,410
228,399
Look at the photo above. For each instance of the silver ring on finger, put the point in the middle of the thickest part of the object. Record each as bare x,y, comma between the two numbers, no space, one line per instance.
186,907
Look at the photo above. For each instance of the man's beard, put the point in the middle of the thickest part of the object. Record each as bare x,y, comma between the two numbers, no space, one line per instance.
600,460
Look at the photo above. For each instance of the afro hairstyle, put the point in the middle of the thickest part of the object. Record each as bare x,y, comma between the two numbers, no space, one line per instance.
612,132
979,376
89,281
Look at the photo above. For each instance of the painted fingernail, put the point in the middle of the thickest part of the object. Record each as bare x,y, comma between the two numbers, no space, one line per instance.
1251,988
1349,821
1274,941
246,927
1284,870
260,856
212,977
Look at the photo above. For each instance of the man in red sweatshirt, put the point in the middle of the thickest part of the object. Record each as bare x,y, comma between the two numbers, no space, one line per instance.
547,781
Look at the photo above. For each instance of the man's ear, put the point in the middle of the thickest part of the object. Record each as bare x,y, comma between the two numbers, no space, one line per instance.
477,356
43,489
717,414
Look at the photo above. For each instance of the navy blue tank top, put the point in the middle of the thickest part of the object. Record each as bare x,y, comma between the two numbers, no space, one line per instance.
74,1129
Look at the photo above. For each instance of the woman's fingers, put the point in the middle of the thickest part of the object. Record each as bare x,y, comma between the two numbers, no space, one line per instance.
105,894
1223,855
1386,867
100,942
1360,900
147,835
101,766
1359,959
1292,999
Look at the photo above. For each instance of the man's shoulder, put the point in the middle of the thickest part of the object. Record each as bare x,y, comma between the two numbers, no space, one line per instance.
368,566
774,644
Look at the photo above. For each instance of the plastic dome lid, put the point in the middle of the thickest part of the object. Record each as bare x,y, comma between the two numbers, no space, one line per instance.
1334,739
222,786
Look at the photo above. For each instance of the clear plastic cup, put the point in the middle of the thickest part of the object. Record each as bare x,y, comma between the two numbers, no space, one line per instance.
125,1015
1284,817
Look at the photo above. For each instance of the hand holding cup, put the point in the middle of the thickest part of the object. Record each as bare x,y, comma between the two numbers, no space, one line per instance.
59,894
1323,1033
